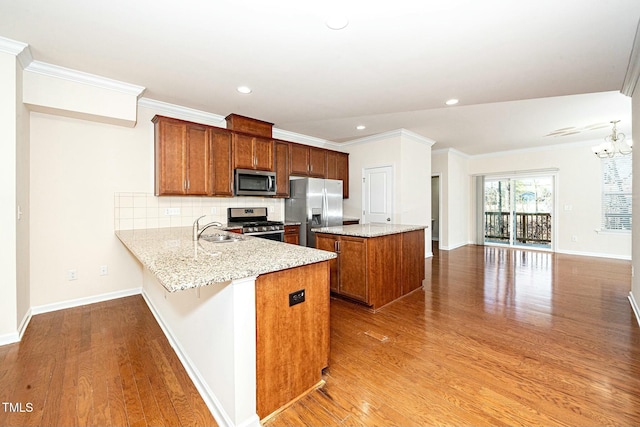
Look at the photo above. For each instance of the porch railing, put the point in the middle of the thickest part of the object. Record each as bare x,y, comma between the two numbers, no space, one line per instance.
530,227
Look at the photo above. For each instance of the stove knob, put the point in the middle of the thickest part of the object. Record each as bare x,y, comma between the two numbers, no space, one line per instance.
265,228
251,229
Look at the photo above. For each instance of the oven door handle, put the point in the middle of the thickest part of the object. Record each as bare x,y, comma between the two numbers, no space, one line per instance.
260,233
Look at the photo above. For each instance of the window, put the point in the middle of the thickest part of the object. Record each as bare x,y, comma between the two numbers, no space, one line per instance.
616,193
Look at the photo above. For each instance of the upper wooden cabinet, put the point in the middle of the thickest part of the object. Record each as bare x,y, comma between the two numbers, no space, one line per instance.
195,159
222,161
308,161
338,168
281,149
251,152
182,157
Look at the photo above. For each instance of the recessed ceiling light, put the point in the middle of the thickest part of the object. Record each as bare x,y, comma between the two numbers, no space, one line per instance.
337,22
452,101
361,127
244,89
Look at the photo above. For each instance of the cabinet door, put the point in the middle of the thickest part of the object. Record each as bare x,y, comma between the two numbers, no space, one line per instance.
198,161
327,242
243,151
317,162
342,167
292,234
263,154
352,252
332,165
299,159
170,154
412,260
221,162
281,149
338,168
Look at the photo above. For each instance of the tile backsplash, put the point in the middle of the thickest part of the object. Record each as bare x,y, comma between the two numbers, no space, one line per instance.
135,211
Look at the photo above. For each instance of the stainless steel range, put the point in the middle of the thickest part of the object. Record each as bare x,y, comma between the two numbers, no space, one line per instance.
254,223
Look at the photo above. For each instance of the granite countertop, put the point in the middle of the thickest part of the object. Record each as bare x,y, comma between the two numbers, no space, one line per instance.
373,229
179,263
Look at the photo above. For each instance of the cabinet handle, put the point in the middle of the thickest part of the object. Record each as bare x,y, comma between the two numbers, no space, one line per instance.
188,184
184,184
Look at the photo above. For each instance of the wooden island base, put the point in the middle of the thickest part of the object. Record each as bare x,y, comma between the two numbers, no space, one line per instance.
374,270
292,341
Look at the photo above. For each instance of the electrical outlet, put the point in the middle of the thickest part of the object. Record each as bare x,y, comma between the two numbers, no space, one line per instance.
214,210
171,211
296,297
72,275
104,270
574,238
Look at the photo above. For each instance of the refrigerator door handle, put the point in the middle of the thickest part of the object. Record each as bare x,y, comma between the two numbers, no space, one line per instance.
325,208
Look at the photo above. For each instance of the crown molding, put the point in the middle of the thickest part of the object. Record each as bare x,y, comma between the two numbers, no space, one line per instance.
19,49
84,78
391,134
303,139
183,113
633,69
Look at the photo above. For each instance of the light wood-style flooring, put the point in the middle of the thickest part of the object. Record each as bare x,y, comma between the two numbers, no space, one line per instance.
105,364
497,337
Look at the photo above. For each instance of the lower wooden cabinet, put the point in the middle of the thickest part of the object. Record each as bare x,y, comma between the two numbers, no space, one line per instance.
375,270
292,341
292,234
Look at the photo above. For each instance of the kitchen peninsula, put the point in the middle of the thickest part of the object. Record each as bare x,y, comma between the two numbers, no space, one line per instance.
376,263
249,318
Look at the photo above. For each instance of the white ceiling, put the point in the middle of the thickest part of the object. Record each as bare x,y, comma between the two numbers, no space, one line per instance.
521,69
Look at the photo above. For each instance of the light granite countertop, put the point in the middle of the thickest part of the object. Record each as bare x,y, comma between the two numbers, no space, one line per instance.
179,263
372,229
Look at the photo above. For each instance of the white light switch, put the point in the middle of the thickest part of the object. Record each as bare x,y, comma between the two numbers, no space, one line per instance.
171,211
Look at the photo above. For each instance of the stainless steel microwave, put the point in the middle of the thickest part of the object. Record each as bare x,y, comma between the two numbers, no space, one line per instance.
250,182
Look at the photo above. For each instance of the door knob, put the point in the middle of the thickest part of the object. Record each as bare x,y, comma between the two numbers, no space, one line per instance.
388,219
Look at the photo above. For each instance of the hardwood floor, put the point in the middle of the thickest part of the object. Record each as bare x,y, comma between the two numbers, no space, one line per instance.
497,337
105,364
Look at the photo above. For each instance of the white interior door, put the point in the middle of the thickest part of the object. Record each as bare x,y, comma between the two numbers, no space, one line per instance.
378,194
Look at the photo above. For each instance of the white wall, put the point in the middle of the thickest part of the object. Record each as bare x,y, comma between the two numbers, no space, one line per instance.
76,166
635,280
23,230
452,166
578,187
415,185
410,157
8,195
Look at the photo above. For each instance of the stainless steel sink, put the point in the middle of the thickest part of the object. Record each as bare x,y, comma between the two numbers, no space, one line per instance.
220,238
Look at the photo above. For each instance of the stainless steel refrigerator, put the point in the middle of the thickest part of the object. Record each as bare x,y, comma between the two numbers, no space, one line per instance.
314,202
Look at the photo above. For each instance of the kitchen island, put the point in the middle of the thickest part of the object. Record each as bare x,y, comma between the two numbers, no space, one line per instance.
376,263
249,317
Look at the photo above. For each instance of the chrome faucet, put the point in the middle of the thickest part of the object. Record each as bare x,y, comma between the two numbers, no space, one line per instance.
197,231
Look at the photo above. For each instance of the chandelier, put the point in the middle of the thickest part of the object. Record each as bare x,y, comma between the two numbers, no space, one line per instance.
613,144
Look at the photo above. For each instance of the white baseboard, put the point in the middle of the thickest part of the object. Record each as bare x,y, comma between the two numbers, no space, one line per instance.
634,306
25,322
594,254
46,308
456,246
9,338
207,395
